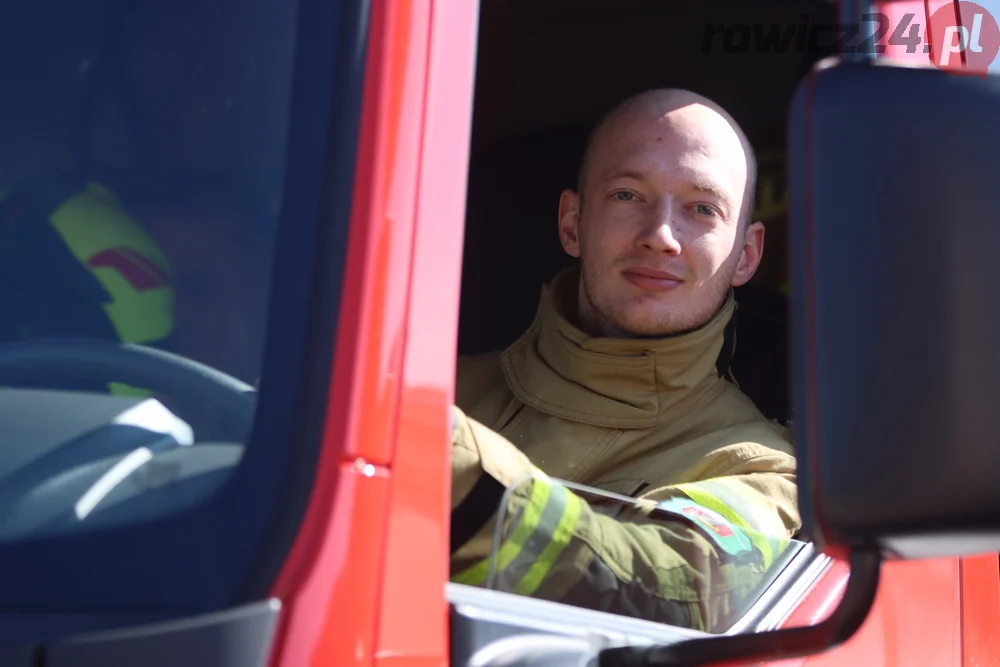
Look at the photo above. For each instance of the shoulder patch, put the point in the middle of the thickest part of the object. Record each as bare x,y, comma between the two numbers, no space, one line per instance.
730,538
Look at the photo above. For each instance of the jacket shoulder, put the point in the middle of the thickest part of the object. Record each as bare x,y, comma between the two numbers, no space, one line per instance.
760,446
752,447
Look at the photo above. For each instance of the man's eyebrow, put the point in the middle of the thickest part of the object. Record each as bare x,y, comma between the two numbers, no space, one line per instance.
709,187
633,174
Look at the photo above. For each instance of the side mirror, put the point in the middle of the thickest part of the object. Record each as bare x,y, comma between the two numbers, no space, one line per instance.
894,237
896,312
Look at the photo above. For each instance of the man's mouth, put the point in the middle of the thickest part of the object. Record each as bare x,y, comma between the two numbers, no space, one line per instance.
652,280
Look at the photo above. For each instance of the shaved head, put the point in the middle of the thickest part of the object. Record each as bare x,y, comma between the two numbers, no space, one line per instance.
659,102
661,219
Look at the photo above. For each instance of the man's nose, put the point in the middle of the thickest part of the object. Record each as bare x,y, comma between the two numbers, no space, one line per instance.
659,234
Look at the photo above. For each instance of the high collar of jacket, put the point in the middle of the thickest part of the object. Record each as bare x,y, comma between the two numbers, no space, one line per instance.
613,382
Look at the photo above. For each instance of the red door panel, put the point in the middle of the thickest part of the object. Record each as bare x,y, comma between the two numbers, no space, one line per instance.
980,577
916,620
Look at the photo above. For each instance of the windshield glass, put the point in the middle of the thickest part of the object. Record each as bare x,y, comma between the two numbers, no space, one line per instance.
140,184
142,173
142,180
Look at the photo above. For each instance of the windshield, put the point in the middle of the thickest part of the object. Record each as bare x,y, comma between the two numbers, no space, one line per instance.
142,173
143,184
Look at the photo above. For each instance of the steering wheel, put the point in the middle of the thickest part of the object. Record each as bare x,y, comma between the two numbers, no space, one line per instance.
193,386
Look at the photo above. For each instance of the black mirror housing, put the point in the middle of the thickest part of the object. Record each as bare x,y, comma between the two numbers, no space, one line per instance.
894,248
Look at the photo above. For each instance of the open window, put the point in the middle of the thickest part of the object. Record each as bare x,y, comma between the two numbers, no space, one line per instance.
546,72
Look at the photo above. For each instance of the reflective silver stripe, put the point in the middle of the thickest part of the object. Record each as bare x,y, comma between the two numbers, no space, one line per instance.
539,538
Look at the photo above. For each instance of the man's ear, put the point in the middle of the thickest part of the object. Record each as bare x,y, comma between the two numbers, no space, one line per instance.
750,254
569,222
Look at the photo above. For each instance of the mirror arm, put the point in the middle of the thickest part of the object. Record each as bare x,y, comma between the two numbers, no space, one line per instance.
843,622
850,13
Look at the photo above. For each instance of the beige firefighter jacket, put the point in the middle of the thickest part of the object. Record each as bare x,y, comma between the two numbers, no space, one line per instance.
647,419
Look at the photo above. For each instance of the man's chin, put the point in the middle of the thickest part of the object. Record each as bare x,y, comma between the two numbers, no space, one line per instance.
626,315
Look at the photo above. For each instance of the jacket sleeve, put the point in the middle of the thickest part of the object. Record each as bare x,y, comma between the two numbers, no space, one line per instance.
690,555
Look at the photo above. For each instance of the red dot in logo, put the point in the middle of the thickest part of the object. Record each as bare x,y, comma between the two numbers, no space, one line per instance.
971,32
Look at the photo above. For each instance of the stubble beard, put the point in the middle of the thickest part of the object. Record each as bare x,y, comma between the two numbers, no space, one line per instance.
603,316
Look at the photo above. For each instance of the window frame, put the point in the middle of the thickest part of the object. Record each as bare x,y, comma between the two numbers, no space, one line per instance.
484,620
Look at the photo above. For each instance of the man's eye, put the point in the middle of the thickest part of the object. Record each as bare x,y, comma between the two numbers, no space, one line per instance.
624,196
704,209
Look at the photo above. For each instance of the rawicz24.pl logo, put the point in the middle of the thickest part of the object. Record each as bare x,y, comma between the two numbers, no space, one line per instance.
969,36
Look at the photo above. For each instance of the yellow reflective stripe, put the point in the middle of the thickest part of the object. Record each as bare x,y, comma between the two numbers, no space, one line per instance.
550,555
144,319
476,574
122,389
709,500
91,222
751,505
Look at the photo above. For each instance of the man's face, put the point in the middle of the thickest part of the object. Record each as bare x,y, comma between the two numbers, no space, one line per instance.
657,228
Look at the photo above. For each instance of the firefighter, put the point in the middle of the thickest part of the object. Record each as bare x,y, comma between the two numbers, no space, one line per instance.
614,386
76,264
